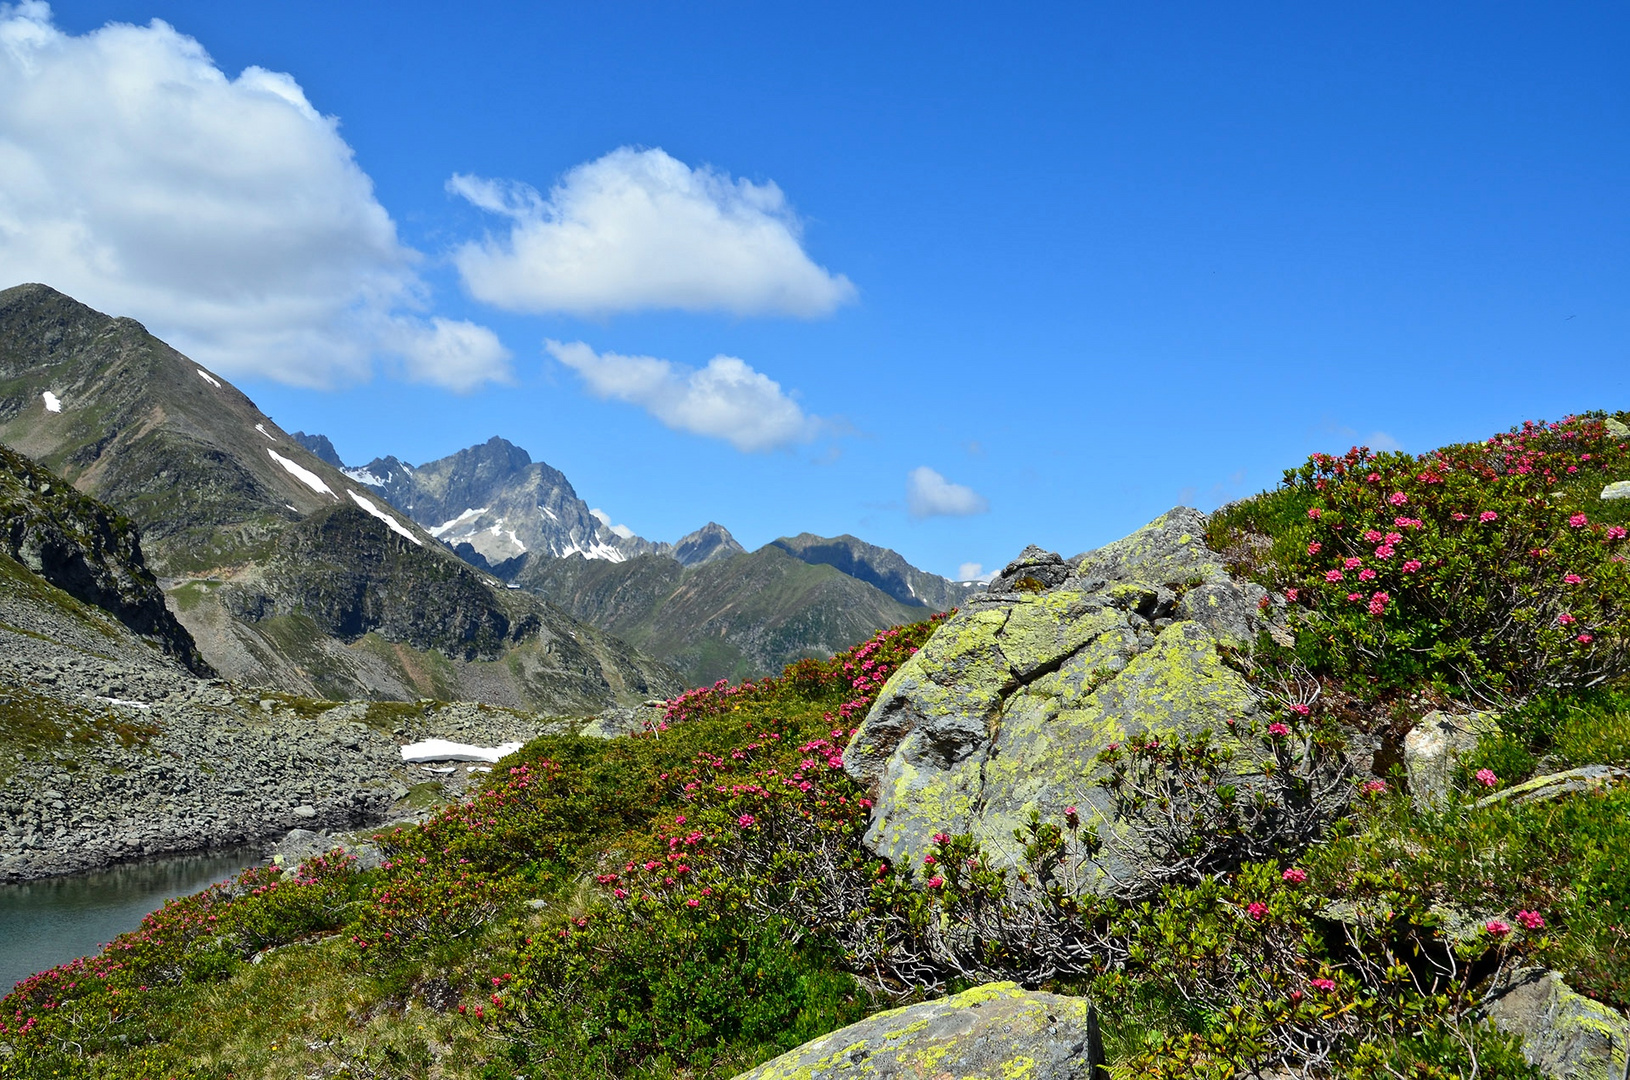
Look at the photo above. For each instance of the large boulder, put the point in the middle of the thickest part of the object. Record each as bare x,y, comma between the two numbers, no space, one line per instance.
1564,1034
1005,709
992,1032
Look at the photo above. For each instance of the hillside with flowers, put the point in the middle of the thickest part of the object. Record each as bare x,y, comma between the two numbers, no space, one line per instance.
697,898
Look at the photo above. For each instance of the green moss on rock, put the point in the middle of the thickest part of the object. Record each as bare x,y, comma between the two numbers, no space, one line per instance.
992,1032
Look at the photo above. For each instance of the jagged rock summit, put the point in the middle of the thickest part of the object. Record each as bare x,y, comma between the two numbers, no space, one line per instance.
1004,710
499,509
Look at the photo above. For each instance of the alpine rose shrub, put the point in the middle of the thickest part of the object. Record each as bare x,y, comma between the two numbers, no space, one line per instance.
1474,565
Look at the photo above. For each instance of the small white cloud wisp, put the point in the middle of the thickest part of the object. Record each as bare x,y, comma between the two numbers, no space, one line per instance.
726,400
226,213
928,494
639,230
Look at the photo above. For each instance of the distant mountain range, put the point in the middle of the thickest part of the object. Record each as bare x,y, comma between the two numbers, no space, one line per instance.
285,571
703,603
481,575
497,507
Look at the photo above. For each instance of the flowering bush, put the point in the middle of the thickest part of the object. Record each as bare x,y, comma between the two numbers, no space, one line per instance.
1490,565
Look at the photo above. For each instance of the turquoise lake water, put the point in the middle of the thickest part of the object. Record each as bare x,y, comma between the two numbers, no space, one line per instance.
46,923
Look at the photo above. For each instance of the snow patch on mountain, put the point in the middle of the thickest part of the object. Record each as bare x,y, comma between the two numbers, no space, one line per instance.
207,377
52,402
262,429
453,523
395,526
302,474
363,476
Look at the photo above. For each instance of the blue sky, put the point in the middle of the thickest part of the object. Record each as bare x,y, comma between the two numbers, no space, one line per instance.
975,279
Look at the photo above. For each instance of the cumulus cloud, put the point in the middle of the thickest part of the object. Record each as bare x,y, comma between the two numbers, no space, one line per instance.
639,229
226,213
727,399
605,519
972,571
928,494
453,353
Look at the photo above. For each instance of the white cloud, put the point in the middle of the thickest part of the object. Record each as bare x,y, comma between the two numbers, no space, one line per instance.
727,399
972,571
226,213
452,353
1381,442
638,229
928,494
605,519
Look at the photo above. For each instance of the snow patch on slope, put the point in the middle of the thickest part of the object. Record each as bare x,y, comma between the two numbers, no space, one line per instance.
262,429
395,526
447,750
363,476
453,523
52,402
207,377
302,474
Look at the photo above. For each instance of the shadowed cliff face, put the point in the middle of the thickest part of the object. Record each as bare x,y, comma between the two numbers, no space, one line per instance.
88,551
287,572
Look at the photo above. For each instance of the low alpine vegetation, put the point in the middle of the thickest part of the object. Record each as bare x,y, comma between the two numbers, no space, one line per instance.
695,899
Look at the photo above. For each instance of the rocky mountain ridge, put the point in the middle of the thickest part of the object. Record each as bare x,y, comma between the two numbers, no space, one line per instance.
703,604
498,509
228,503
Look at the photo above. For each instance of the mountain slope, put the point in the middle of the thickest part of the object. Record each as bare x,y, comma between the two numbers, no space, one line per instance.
88,551
879,566
745,615
218,491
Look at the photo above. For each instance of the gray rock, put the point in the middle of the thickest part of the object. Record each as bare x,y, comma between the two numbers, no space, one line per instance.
614,723
1006,707
992,1032
1618,489
1435,745
1556,785
1616,429
1564,1033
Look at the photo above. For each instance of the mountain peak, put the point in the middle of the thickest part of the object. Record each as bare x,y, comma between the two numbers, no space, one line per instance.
708,544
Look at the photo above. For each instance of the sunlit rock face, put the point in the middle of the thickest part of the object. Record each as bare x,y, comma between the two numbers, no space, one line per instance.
1006,708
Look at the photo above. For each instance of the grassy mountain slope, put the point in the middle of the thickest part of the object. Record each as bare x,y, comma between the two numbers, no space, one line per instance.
743,616
225,500
878,566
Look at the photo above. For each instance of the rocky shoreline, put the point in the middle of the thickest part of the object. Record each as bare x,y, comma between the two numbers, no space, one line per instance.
149,760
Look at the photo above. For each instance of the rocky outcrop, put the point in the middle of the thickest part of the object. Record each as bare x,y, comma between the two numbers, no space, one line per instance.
992,1032
1005,709
1434,747
1564,1033
87,550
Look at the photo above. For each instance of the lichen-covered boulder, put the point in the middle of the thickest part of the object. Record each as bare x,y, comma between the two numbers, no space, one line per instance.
992,1032
1005,709
1434,747
1564,1034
